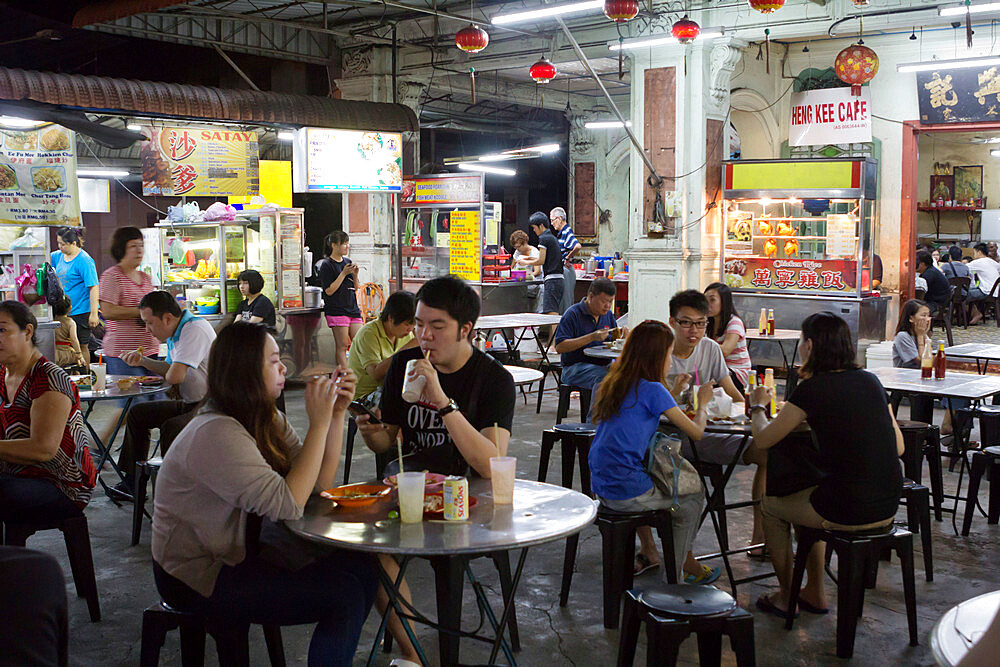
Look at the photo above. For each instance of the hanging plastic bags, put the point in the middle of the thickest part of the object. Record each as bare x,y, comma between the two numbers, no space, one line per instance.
27,285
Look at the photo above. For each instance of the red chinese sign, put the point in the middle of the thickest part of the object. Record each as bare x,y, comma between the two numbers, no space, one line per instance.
793,275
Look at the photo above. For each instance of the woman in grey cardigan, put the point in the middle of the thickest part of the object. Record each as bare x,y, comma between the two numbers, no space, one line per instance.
239,456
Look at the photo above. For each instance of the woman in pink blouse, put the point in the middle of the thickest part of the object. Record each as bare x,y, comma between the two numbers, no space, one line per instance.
726,328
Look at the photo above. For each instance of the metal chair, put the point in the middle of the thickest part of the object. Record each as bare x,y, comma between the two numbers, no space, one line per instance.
943,316
962,309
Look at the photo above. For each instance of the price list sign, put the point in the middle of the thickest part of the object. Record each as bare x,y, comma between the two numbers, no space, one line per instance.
38,183
466,254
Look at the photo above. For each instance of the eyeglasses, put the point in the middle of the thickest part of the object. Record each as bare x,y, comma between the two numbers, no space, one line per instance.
693,324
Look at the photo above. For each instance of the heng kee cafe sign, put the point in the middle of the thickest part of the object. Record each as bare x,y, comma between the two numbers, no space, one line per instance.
830,116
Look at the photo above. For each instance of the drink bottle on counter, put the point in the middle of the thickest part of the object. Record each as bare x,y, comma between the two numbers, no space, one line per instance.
751,385
769,383
940,362
762,322
926,362
770,322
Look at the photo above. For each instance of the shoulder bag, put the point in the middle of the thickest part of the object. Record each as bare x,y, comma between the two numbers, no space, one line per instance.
671,473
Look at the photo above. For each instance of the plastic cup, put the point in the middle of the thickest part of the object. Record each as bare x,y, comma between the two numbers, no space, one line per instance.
410,488
100,372
502,469
413,387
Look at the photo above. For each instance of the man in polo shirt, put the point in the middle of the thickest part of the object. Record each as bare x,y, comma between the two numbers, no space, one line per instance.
586,324
189,340
376,342
569,246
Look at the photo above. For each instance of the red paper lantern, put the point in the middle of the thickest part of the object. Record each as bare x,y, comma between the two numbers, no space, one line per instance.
856,65
766,6
685,30
543,71
620,11
472,38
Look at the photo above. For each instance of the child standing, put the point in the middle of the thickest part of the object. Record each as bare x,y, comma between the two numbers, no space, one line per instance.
68,351
338,275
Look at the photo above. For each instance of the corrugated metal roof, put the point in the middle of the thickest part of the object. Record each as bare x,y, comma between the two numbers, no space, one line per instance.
126,96
109,10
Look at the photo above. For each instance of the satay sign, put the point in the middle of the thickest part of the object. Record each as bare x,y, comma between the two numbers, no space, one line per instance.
195,161
830,116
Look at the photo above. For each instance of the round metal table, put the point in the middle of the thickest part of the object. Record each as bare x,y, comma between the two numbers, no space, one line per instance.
523,375
541,513
602,352
962,626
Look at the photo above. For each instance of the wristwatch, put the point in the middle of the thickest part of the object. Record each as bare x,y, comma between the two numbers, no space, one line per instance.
759,407
448,409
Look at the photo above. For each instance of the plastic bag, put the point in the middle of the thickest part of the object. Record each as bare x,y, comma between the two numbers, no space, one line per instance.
183,212
27,285
219,211
30,239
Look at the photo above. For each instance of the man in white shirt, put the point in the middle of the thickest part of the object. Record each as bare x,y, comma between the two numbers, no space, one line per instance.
986,273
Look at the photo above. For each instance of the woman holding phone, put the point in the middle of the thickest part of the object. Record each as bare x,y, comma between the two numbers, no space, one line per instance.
338,275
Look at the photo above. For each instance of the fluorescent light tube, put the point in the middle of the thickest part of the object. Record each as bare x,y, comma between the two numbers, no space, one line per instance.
662,38
493,157
546,12
544,149
133,127
14,121
103,173
958,63
286,136
957,10
468,166
605,124
995,153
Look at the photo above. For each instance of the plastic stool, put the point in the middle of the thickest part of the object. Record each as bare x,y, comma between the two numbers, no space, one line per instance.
564,392
988,458
918,520
145,471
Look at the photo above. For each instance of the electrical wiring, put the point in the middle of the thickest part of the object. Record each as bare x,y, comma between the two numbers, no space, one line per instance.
86,143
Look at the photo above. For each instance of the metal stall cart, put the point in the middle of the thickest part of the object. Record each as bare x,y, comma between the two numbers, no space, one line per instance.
799,237
447,227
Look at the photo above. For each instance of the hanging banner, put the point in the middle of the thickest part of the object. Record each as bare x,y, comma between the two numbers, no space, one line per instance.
38,183
964,95
466,251
830,116
199,162
423,190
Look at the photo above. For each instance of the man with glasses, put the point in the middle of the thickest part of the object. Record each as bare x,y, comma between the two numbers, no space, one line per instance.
586,324
569,246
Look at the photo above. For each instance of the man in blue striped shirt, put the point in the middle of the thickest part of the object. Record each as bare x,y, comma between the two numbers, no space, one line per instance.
569,246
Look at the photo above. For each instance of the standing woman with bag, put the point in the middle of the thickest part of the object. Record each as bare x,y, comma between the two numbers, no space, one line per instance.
78,277
627,410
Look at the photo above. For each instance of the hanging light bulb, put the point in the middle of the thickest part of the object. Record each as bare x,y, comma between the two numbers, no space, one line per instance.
805,49
913,34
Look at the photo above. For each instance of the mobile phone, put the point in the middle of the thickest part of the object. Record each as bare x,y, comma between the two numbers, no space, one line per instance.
357,409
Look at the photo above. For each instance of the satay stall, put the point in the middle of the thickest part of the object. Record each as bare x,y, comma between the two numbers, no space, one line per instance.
799,237
447,226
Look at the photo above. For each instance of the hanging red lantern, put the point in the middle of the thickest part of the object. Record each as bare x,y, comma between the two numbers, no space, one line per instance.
856,65
472,38
766,6
543,71
620,11
685,30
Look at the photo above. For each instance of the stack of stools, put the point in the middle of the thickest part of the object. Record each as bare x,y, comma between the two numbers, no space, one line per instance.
145,471
857,568
565,390
987,459
923,440
672,612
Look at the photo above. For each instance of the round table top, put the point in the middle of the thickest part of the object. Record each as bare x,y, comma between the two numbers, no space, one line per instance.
113,392
540,513
602,352
961,626
778,335
524,375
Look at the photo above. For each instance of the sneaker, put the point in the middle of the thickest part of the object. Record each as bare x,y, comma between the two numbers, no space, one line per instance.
121,491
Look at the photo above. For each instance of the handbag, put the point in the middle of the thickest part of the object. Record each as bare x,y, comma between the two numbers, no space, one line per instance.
671,473
53,288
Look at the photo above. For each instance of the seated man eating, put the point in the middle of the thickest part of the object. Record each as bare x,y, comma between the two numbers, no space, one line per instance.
586,324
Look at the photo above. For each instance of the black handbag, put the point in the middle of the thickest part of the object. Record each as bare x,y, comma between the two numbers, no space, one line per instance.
53,288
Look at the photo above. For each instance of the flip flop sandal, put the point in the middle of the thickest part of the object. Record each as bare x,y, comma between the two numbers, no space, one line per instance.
643,564
762,554
812,609
768,607
707,576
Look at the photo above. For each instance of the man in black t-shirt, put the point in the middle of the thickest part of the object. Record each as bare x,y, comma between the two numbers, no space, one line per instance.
938,288
550,259
465,413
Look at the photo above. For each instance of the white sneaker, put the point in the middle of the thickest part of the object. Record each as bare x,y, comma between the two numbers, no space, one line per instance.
401,662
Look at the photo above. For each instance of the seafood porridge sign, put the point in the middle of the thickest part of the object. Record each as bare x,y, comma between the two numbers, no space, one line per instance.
199,162
38,177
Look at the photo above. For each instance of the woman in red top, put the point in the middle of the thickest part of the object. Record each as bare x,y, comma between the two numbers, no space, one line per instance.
46,472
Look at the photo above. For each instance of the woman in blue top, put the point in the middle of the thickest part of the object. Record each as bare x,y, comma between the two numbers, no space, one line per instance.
78,277
627,410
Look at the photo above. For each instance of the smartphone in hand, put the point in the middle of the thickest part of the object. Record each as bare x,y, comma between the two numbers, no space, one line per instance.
357,409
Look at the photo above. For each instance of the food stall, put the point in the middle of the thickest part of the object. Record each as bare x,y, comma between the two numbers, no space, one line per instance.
799,238
446,226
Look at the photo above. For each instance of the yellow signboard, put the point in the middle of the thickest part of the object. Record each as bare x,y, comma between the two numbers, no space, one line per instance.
794,175
466,253
275,185
199,162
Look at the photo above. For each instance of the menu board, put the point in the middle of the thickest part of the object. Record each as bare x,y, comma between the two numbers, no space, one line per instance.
841,240
423,190
290,230
466,253
792,275
38,184
326,160
199,162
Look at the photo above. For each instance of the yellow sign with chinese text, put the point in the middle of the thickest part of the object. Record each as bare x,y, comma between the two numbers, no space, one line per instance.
466,253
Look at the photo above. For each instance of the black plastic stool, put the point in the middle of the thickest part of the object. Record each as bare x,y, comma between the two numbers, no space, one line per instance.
921,440
618,549
857,556
231,640
546,367
673,612
918,520
988,458
352,432
76,534
564,393
145,471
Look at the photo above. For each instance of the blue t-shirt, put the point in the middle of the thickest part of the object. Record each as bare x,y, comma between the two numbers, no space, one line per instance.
577,321
76,277
619,449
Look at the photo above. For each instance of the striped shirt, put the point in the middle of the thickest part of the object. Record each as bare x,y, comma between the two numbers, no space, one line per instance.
738,361
126,335
71,470
567,240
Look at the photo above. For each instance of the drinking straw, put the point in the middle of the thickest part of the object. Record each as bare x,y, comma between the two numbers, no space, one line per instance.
696,380
496,444
100,359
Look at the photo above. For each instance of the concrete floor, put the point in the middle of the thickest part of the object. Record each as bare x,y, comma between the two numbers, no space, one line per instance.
550,635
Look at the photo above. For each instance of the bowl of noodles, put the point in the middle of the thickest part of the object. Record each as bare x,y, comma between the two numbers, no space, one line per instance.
8,178
48,179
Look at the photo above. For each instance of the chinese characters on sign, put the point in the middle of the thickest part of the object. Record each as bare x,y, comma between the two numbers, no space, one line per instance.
466,253
196,162
791,275
38,183
959,95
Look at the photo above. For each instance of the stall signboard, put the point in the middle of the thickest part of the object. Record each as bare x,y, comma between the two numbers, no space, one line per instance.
425,190
791,275
965,95
290,238
327,160
199,162
38,183
830,116
465,251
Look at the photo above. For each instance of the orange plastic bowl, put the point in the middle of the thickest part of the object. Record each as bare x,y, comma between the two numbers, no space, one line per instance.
356,495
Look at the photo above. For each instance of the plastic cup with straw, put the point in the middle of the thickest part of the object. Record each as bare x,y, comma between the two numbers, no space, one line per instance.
694,390
502,473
